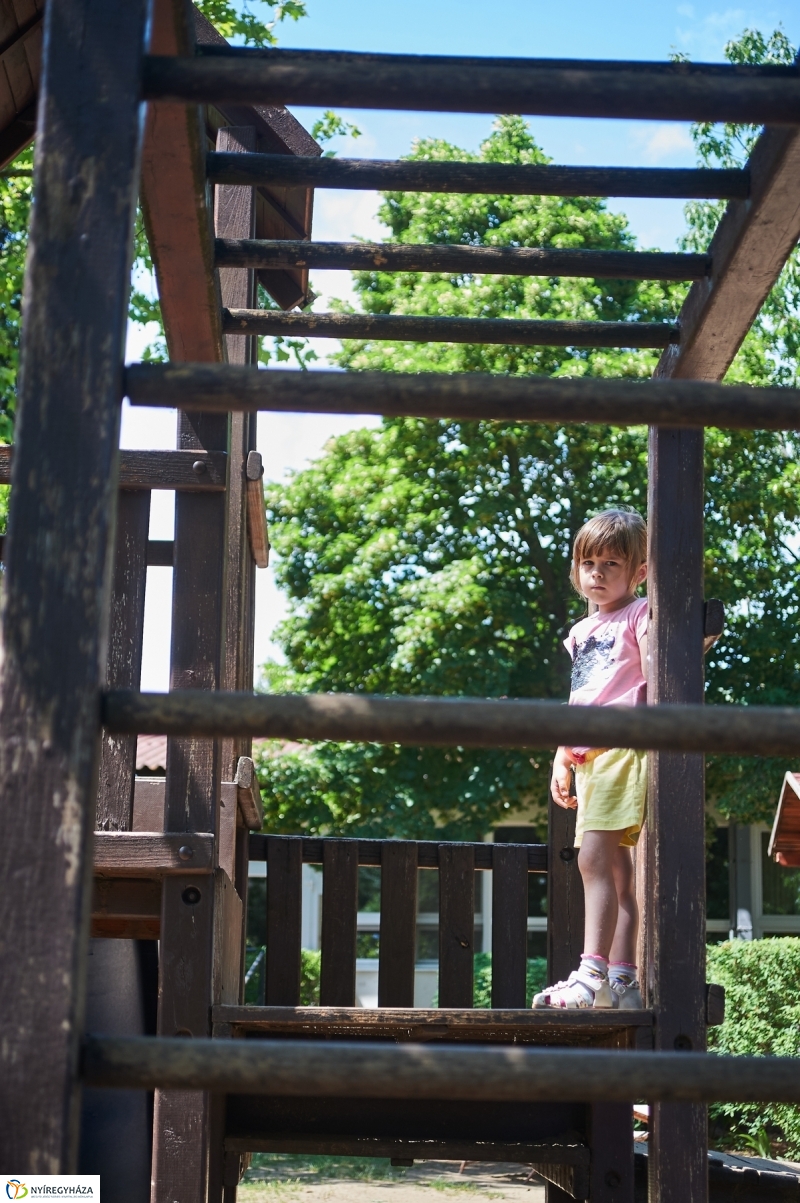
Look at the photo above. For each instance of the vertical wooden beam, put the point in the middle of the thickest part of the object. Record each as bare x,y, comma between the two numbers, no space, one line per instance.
284,910
337,987
509,924
564,895
58,560
124,667
456,924
677,1158
398,935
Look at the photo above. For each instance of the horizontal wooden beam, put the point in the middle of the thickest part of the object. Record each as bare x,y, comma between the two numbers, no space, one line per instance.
460,260
152,854
188,471
554,87
126,908
399,328
369,852
465,722
352,1069
516,179
160,553
467,397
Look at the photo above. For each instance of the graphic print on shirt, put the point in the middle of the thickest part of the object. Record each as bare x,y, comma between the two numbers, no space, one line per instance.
592,659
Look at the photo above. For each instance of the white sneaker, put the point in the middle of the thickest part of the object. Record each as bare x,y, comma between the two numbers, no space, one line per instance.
585,987
627,994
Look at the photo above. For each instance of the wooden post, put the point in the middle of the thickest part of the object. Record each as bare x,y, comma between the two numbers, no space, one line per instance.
58,560
564,896
677,1159
124,668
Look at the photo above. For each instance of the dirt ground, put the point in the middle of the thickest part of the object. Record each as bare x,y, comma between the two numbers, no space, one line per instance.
378,1182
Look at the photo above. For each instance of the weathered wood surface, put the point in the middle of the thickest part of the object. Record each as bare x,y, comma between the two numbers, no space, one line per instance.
195,472
456,924
555,87
389,327
749,248
470,396
611,1143
257,534
527,1153
58,574
398,931
337,986
126,908
565,904
174,205
160,553
124,660
516,179
284,908
426,852
396,1071
21,28
509,924
152,854
676,802
458,260
471,722
251,805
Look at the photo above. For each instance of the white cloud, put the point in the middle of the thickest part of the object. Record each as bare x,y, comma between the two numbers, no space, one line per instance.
661,143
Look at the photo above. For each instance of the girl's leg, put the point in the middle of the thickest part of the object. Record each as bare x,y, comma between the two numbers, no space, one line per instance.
623,946
598,862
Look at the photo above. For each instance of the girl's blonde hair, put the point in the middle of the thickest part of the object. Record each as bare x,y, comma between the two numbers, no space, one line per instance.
621,531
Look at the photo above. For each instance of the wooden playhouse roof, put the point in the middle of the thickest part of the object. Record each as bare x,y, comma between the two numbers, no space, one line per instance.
784,842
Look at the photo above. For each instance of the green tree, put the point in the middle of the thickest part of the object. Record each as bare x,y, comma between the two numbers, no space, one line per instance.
432,557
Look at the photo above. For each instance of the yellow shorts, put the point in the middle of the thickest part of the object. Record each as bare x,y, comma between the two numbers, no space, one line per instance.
611,787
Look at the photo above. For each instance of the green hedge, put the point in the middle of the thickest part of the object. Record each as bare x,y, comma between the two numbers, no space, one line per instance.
762,1018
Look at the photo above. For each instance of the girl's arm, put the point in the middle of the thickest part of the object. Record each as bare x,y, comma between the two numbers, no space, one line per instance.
560,780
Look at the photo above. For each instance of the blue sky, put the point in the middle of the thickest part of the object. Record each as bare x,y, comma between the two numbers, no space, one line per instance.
615,29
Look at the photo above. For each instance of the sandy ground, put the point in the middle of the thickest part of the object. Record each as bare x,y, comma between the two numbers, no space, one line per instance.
422,1183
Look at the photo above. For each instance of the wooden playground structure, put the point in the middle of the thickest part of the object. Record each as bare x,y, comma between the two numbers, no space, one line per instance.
157,105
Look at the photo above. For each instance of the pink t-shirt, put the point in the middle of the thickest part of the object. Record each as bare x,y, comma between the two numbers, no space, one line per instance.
606,660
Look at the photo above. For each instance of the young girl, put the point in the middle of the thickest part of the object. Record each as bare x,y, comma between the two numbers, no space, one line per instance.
609,668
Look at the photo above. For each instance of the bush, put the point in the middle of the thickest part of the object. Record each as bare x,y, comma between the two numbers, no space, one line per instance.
535,978
762,1018
309,977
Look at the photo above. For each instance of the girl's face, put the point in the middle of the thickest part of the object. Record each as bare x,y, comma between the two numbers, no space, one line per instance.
605,579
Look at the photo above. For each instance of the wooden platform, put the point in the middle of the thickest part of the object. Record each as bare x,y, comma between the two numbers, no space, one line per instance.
602,1029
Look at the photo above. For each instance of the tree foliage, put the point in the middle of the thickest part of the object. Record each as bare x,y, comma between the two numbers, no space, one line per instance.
432,557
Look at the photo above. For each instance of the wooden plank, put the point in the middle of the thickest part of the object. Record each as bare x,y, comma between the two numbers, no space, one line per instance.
398,930
284,902
126,908
124,660
193,471
257,534
471,396
228,917
565,909
485,260
251,805
160,553
339,922
749,248
456,924
517,179
507,332
174,206
611,1143
471,722
509,925
151,854
676,794
676,91
58,571
370,852
524,1152
371,1070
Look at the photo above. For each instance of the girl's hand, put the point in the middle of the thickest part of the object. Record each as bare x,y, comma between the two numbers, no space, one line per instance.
560,781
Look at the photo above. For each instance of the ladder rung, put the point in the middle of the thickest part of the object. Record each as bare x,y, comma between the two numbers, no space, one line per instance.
187,471
555,87
515,179
278,255
463,722
219,388
393,327
342,1069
